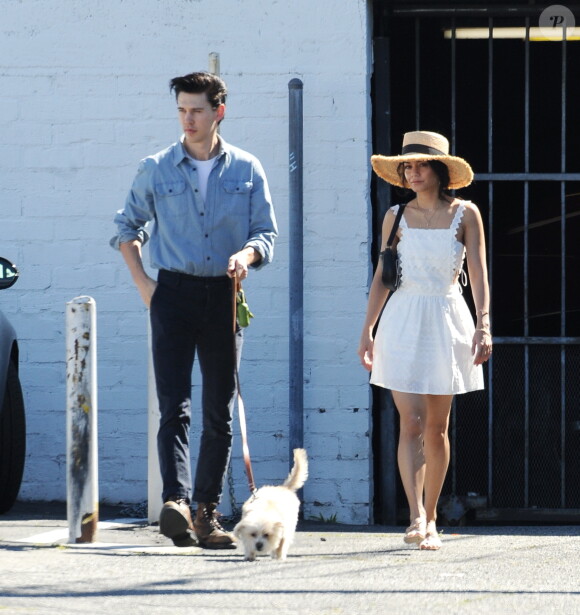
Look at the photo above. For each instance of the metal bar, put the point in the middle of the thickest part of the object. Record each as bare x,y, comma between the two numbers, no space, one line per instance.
388,439
452,140
417,74
453,81
454,446
527,177
563,247
526,424
490,257
296,272
227,504
526,265
428,10
82,482
563,356
382,135
490,99
544,222
213,61
384,412
535,341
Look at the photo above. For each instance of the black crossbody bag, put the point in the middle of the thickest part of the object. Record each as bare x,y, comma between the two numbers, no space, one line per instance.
389,257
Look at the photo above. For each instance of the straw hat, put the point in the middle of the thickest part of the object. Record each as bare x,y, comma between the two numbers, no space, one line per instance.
423,145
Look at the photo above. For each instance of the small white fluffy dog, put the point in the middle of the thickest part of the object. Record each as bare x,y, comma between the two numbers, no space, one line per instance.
269,517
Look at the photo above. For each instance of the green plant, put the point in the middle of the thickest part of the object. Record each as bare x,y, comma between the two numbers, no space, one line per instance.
322,519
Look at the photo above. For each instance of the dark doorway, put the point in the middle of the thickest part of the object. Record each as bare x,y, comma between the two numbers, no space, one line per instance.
508,106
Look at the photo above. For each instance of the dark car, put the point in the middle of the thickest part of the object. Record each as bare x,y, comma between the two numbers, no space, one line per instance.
12,422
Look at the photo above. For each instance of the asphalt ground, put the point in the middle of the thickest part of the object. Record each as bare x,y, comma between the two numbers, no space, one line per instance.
331,570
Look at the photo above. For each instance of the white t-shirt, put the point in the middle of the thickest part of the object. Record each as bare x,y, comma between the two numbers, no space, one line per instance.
204,168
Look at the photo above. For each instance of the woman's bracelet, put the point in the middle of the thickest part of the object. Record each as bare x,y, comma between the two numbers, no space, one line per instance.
485,330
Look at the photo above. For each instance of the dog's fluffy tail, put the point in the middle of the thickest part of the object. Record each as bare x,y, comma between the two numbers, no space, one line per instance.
299,472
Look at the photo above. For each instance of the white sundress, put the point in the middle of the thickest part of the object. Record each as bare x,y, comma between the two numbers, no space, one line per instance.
423,341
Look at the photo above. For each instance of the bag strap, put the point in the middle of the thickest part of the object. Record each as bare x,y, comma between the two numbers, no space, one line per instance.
236,286
396,224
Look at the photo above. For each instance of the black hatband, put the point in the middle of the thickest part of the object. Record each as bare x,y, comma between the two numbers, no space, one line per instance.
422,149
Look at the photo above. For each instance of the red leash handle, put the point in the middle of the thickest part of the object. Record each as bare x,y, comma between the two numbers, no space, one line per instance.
236,286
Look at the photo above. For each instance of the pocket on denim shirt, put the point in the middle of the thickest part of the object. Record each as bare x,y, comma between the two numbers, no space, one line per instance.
234,186
165,193
237,196
170,188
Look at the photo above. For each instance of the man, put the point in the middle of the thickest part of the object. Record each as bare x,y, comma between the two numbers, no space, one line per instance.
213,219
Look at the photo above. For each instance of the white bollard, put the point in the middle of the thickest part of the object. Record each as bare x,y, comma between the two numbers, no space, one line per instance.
226,505
81,420
154,483
214,63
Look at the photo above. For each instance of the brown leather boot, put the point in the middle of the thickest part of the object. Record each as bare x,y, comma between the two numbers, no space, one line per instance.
175,523
210,534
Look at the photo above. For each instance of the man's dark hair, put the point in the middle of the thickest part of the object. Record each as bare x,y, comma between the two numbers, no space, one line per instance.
197,83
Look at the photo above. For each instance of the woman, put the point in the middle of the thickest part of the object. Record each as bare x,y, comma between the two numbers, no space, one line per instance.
427,348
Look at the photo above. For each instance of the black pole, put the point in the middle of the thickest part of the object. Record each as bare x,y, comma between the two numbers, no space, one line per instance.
384,412
296,268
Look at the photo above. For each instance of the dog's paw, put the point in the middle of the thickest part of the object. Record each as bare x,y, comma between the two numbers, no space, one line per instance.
250,557
278,556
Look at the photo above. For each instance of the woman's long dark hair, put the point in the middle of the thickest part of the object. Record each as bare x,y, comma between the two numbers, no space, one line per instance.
441,171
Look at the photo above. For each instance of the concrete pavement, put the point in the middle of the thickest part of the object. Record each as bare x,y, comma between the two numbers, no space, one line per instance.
331,570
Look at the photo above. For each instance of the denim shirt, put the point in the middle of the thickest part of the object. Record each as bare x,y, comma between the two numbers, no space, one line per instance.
187,234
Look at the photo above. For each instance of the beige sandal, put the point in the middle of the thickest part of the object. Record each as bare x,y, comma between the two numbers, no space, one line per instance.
431,542
415,533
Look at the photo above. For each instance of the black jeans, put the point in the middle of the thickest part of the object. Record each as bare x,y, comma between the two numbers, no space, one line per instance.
188,315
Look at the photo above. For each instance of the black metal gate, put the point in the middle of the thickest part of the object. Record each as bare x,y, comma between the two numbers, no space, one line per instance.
484,75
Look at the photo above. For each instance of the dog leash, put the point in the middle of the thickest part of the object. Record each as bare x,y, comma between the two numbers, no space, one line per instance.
237,286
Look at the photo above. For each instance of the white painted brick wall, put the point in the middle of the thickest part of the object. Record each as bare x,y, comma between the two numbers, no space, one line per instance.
83,97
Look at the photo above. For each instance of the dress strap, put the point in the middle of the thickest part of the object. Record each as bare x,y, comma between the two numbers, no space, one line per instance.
458,270
457,217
